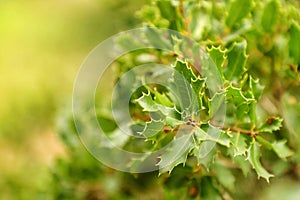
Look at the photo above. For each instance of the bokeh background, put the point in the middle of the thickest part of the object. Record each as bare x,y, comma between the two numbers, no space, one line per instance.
42,45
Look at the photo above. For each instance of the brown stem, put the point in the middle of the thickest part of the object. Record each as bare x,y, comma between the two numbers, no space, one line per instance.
251,132
236,129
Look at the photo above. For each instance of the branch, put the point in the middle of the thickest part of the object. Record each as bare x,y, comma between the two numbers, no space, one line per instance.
236,129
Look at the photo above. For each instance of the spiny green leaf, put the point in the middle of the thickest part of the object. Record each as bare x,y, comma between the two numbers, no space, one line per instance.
240,161
176,153
185,94
218,56
271,124
152,128
236,61
270,16
252,90
149,105
195,82
281,149
239,144
162,99
254,159
235,95
185,70
242,104
237,11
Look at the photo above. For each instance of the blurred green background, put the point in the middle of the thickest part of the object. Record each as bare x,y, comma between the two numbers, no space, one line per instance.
42,45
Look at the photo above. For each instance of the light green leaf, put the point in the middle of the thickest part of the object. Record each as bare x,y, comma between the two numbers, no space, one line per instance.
254,159
271,124
236,61
239,144
235,96
162,99
237,11
149,105
176,153
281,149
152,128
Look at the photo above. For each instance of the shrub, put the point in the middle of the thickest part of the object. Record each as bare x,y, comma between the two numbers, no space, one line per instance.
222,136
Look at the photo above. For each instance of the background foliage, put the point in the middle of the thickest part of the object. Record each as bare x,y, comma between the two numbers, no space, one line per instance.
42,45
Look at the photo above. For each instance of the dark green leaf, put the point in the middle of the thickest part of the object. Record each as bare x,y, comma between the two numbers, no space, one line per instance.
218,56
236,61
294,42
237,11
208,190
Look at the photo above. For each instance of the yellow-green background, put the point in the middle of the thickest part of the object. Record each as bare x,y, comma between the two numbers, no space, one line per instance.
42,45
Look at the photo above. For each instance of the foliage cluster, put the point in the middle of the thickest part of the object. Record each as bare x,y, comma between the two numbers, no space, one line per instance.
255,46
